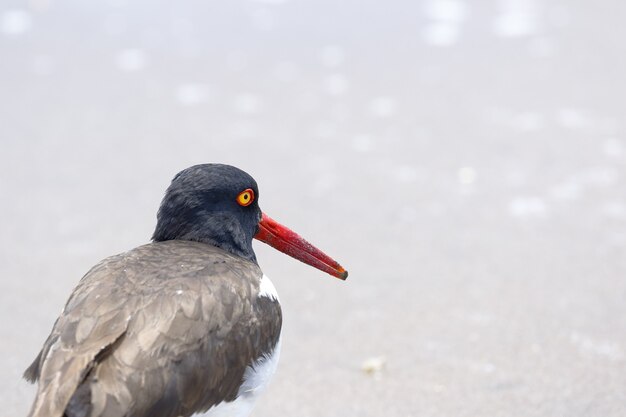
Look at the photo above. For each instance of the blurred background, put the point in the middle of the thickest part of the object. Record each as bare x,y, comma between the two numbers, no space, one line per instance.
464,160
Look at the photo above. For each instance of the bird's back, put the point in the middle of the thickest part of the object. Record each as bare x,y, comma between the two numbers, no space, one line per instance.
167,329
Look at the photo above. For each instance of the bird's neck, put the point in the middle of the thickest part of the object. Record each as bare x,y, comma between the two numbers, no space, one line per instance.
220,231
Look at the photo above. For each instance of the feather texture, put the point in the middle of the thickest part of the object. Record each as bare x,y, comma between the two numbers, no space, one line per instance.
164,330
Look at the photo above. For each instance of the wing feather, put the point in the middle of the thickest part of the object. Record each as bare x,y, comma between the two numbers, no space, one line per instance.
165,330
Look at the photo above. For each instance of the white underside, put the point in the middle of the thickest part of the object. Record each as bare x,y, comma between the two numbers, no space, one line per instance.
267,289
256,378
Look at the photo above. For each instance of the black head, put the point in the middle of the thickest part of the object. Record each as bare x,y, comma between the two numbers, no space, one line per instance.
201,205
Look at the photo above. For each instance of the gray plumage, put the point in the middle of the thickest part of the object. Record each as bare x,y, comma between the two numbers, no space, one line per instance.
164,330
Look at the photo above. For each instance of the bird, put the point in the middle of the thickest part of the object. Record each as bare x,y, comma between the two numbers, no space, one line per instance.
185,324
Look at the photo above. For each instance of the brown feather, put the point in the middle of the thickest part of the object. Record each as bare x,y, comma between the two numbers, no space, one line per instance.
164,330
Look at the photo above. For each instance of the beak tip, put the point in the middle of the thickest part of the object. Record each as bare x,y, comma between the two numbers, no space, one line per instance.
343,274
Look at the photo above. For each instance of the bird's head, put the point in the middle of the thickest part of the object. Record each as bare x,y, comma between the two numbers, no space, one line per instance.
219,205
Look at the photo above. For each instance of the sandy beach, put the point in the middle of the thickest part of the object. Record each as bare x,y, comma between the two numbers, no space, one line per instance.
465,161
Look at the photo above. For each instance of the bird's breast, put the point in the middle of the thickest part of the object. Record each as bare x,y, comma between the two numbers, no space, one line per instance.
267,289
256,378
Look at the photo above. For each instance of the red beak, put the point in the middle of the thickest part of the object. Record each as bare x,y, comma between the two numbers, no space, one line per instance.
289,242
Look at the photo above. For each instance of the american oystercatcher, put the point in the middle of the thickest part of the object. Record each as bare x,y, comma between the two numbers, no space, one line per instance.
186,324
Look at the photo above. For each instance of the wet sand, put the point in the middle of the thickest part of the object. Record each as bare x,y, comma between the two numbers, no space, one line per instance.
465,161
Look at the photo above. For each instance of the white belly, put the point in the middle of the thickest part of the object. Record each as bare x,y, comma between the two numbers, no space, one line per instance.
256,378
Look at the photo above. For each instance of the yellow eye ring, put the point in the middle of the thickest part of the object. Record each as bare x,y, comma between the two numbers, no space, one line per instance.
246,197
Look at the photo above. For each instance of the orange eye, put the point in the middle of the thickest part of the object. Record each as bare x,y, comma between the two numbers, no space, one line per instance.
246,197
